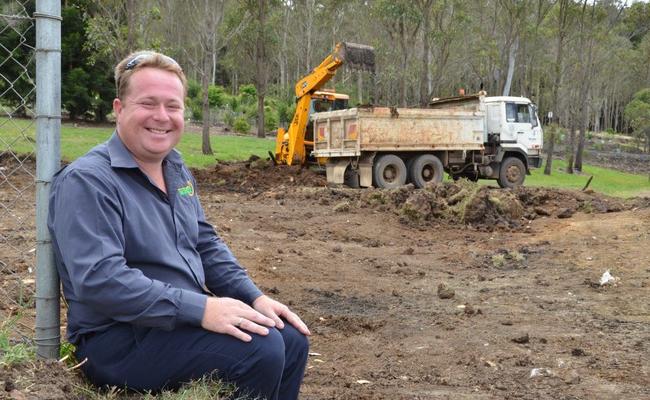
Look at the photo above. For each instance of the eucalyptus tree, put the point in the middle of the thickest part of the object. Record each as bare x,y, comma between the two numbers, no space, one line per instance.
205,21
561,18
402,22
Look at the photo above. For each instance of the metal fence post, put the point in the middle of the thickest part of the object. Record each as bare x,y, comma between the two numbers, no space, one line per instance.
48,134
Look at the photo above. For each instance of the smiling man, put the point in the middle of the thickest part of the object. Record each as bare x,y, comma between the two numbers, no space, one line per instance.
155,297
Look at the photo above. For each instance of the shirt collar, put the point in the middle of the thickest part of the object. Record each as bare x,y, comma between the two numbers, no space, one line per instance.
121,156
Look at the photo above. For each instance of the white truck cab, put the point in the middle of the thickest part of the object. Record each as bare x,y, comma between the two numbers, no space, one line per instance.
513,123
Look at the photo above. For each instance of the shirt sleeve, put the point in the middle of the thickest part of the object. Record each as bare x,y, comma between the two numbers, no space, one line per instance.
224,276
88,231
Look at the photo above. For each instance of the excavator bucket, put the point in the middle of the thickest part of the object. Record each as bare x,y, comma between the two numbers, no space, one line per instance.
357,56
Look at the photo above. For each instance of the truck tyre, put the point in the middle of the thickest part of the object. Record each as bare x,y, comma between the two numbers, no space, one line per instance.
389,172
512,172
424,169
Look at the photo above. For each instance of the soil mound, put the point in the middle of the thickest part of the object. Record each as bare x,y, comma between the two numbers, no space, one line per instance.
461,203
255,175
487,207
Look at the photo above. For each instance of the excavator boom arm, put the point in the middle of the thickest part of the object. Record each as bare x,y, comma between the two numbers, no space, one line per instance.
290,145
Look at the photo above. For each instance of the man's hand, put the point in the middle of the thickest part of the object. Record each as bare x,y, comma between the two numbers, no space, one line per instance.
274,310
232,317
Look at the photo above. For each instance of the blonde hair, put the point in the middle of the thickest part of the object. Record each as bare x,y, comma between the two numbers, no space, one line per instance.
144,59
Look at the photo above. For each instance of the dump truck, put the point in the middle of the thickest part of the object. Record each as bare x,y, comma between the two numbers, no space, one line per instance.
295,145
473,137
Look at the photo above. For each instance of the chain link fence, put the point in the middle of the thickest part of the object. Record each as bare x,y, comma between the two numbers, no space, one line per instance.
17,160
30,45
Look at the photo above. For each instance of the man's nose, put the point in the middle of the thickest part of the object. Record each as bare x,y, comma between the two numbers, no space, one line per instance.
161,113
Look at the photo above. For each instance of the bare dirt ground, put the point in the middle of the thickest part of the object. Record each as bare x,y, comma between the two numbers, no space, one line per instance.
450,292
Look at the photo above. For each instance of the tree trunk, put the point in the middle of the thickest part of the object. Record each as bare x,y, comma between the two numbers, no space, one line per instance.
581,145
425,80
206,147
548,168
260,65
360,87
557,81
131,14
403,80
571,148
512,55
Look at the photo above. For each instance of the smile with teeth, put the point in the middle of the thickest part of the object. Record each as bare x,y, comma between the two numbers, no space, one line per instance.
157,131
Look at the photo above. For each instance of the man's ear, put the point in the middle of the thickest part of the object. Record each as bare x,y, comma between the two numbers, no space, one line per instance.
117,107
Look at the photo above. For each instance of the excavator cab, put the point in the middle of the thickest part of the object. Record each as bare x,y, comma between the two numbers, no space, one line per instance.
328,100
322,101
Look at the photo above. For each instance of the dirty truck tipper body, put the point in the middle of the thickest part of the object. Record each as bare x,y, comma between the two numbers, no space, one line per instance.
383,128
471,136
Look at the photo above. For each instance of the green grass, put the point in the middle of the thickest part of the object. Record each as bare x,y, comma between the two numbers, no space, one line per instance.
19,135
10,352
202,389
607,181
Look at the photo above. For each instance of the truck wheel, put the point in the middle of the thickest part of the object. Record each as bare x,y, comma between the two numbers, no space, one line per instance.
512,173
424,169
389,172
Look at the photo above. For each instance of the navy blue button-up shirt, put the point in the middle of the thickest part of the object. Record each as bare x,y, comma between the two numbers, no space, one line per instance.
128,252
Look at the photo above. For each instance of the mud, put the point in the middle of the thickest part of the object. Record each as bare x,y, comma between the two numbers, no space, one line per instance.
37,381
372,272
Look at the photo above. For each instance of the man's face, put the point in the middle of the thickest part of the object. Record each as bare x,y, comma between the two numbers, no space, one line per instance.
150,117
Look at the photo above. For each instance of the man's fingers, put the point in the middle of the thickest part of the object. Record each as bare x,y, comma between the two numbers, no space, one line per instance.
232,331
259,318
252,327
276,318
295,320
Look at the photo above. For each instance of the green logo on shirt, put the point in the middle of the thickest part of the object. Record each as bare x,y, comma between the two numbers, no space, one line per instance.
186,190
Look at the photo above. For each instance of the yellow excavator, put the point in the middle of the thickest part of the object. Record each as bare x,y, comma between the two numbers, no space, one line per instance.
293,146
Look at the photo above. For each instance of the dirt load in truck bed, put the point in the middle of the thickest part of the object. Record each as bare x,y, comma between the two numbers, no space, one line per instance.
455,291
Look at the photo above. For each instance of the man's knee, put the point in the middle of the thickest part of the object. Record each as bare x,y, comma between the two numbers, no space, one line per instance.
296,344
266,357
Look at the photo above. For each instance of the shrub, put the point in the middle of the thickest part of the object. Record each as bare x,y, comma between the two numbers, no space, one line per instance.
241,125
270,119
248,90
229,117
234,103
216,96
75,95
196,109
283,114
250,110
193,89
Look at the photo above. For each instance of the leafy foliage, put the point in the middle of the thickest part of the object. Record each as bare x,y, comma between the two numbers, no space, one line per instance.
638,113
241,125
13,352
87,88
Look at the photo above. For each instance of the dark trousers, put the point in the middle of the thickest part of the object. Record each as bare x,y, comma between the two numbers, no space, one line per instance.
145,359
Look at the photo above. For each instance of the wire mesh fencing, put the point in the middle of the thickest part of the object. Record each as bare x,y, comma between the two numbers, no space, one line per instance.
17,158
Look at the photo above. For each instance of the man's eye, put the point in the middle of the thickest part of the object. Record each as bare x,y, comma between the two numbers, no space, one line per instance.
147,104
174,107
